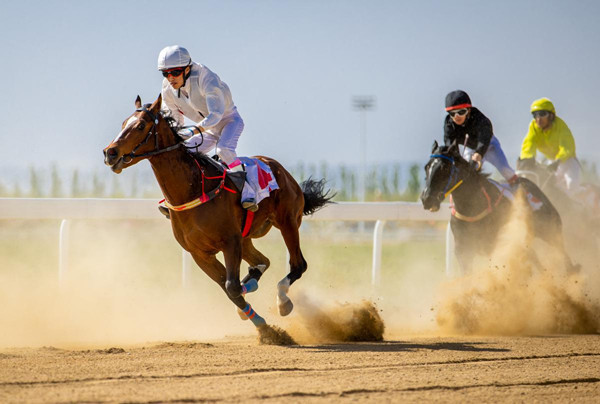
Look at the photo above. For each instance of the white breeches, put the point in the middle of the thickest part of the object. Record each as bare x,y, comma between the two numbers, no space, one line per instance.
495,156
223,137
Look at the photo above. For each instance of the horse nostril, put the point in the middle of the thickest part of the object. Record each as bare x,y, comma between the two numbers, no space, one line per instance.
111,155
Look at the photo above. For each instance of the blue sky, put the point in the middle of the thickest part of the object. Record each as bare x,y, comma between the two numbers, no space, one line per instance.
71,71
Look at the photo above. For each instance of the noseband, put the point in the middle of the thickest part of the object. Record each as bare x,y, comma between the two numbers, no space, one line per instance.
127,158
453,175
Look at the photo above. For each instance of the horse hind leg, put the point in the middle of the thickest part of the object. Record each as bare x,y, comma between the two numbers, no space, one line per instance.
553,236
298,266
257,261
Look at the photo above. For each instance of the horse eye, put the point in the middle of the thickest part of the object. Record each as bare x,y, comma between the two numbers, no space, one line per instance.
142,126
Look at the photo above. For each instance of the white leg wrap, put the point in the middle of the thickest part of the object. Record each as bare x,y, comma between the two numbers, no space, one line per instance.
283,288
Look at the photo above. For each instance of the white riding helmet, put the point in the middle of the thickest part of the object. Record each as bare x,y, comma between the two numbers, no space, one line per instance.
173,56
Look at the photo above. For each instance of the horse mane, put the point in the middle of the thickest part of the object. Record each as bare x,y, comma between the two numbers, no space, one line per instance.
460,161
175,128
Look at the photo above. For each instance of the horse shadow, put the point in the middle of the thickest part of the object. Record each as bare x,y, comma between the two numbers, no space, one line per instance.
402,346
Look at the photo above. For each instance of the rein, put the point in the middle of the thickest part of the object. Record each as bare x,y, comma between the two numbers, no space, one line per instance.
448,190
453,175
206,196
128,157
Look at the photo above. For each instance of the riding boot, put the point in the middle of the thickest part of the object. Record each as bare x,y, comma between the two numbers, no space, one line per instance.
238,172
165,211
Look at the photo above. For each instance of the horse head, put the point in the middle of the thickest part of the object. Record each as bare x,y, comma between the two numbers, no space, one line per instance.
138,139
442,173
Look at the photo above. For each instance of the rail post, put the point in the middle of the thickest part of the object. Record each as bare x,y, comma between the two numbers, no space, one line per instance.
377,242
63,251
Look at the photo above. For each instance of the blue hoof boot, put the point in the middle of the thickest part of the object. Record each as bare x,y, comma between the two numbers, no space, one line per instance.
250,286
258,321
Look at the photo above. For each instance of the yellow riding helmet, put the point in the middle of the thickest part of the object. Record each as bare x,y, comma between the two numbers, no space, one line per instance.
543,104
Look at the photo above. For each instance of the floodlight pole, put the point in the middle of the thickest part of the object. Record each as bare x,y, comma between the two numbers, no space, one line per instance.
363,103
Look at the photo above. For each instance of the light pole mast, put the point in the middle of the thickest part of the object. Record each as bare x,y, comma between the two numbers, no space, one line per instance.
363,103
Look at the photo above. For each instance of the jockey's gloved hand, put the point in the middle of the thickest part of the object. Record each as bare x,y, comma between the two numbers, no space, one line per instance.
554,165
475,165
186,133
526,164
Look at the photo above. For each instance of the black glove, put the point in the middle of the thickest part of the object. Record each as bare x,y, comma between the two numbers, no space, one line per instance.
554,165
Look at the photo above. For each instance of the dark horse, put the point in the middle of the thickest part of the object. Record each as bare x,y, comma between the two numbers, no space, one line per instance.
480,208
214,224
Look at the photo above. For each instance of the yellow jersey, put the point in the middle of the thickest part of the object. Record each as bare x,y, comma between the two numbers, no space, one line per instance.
556,142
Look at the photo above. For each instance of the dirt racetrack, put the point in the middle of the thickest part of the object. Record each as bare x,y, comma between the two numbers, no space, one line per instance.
508,332
450,369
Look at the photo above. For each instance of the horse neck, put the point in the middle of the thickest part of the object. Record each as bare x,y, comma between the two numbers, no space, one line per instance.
469,198
177,172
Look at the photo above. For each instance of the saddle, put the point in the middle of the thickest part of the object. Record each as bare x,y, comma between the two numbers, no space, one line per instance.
237,177
533,194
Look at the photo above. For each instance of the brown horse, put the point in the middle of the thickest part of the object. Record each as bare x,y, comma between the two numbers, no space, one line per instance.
215,222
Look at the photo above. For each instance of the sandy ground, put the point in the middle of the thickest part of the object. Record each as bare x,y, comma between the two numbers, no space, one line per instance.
450,369
514,330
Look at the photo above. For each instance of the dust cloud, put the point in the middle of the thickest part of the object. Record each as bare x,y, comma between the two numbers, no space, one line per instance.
318,321
523,289
123,286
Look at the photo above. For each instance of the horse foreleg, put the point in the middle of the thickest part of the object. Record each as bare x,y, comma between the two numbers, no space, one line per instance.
232,252
217,272
464,256
298,266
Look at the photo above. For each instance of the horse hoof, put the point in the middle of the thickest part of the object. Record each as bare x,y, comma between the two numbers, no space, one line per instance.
285,308
242,315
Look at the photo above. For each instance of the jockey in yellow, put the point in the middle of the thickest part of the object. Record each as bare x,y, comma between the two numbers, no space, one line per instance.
552,137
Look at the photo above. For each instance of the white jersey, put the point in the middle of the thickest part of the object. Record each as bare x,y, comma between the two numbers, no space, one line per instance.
204,98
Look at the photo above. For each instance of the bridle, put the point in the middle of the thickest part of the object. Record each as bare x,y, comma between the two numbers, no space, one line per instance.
453,175
448,190
127,158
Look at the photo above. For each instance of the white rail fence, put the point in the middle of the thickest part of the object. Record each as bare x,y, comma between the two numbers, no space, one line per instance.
67,210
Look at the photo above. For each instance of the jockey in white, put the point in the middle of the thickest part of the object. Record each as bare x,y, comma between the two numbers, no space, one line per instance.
192,90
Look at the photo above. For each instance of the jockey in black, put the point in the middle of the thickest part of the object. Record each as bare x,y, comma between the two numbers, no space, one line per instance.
481,145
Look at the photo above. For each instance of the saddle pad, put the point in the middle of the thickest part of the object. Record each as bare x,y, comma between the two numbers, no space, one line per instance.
260,176
508,193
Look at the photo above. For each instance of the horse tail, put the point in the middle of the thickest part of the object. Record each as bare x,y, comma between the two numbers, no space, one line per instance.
315,195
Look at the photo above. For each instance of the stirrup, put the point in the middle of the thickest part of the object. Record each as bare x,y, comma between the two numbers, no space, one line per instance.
165,211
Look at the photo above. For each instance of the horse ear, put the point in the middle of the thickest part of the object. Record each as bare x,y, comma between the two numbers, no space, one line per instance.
453,147
434,147
138,102
157,104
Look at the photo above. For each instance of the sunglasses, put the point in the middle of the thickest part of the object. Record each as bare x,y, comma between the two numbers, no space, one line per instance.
460,112
540,114
173,72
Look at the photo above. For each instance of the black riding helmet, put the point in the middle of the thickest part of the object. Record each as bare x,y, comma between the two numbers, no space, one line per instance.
457,99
